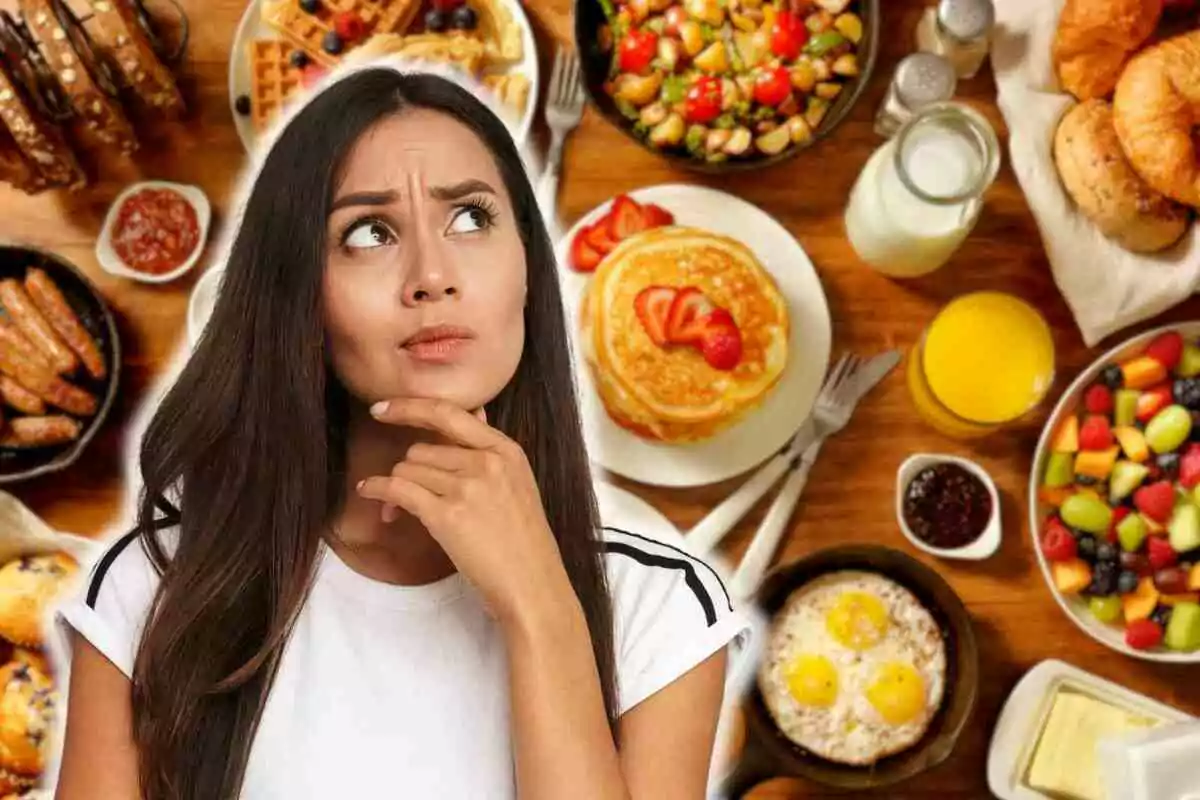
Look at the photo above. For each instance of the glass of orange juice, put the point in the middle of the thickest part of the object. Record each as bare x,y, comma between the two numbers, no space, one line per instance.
985,361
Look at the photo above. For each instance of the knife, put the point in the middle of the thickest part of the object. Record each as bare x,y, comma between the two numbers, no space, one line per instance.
706,534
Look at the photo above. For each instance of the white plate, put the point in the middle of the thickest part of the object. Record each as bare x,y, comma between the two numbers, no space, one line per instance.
115,265
1076,608
1025,711
252,27
764,429
202,302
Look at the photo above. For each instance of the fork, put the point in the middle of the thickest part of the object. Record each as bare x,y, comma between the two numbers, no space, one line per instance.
564,110
834,406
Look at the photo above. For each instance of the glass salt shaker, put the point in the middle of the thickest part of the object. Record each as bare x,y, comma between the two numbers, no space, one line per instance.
921,79
960,30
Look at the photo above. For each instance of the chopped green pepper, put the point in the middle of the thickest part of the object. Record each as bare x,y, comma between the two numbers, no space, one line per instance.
626,108
706,32
640,128
822,43
673,89
609,11
657,24
694,140
725,122
763,112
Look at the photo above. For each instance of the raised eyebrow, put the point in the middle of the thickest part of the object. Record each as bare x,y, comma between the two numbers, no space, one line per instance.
364,199
457,190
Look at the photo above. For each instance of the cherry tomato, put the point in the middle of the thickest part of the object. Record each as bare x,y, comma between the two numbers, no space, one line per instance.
637,50
675,17
702,102
788,35
772,86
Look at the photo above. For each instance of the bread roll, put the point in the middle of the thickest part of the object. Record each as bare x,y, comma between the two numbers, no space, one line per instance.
1156,110
1106,188
1094,40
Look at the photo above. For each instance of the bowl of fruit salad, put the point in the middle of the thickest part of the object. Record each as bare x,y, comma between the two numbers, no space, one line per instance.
1115,497
721,85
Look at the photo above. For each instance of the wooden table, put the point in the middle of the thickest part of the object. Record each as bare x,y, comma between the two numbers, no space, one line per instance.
850,495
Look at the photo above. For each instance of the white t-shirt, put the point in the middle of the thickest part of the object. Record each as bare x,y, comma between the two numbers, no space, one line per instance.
402,691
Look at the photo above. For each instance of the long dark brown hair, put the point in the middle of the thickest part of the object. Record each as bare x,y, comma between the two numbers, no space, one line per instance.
246,453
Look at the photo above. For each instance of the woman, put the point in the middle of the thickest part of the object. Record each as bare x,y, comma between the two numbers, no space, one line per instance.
366,560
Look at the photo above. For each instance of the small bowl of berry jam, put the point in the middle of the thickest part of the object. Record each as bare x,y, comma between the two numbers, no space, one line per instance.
948,506
154,231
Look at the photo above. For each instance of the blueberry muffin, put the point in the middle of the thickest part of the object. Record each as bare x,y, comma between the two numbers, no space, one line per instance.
28,587
28,703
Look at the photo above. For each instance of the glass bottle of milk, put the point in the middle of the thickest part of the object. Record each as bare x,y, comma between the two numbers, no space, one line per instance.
920,193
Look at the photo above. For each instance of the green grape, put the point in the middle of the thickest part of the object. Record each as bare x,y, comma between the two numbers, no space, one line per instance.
1086,513
1105,609
1169,429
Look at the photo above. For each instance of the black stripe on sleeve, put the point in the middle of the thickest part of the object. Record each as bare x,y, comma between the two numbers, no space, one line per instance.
688,556
689,573
104,564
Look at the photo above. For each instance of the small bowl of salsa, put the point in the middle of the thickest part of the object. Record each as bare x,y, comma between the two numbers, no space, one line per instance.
948,506
154,232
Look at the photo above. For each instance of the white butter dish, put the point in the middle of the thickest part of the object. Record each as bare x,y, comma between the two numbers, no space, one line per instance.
1154,764
1024,715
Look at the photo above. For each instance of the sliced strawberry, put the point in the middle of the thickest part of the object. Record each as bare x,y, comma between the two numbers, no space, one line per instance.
688,319
600,238
722,346
1160,553
1166,349
625,218
653,304
1189,467
1156,501
349,26
1098,400
1143,634
656,216
1057,542
584,257
1152,401
1095,434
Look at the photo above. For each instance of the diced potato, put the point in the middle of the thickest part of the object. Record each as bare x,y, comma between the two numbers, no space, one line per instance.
799,129
850,26
638,90
653,114
815,113
660,5
743,22
823,68
819,21
714,59
668,52
730,94
745,84
716,139
639,9
828,90
765,126
774,141
751,3
788,107
708,11
833,6
804,75
846,64
692,37
739,142
667,133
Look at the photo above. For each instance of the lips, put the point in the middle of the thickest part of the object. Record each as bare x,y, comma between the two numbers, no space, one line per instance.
439,343
438,333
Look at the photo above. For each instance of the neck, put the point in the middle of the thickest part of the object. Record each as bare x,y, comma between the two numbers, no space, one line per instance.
401,552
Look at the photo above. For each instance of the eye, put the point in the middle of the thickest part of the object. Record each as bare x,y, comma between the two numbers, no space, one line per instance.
472,218
367,234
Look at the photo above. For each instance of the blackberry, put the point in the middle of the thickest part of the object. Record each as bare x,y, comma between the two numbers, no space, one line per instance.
1086,544
1104,578
1169,463
310,6
242,104
436,21
1086,480
1112,377
1187,393
464,18
1161,615
1107,551
1127,581
298,59
332,43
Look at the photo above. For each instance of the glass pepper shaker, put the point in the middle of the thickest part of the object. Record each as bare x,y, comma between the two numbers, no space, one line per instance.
960,30
921,79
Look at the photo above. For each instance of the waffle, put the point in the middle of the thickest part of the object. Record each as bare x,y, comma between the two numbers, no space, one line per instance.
39,140
98,111
463,50
273,80
307,31
118,36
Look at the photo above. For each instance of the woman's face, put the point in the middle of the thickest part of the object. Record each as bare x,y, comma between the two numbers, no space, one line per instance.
424,284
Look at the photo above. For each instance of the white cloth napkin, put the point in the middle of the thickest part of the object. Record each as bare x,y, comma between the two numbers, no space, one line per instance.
1107,287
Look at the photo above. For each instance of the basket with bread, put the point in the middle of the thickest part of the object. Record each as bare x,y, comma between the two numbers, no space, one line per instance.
1128,153
70,84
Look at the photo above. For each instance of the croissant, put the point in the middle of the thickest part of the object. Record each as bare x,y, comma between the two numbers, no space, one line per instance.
1094,40
1156,108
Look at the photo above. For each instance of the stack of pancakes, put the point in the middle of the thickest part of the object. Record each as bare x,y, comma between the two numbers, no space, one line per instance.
671,393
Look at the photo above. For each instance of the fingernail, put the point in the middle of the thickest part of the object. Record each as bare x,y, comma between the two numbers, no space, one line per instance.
358,486
390,513
379,408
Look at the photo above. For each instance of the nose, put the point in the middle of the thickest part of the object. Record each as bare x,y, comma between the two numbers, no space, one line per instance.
433,279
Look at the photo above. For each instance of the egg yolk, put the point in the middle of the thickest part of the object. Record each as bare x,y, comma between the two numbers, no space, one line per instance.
897,693
858,620
812,681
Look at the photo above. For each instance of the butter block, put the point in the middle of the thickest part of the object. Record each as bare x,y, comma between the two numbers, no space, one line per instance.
1065,762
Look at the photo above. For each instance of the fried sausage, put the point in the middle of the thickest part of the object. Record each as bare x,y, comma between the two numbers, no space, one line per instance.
54,307
25,432
9,334
20,398
25,314
45,384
